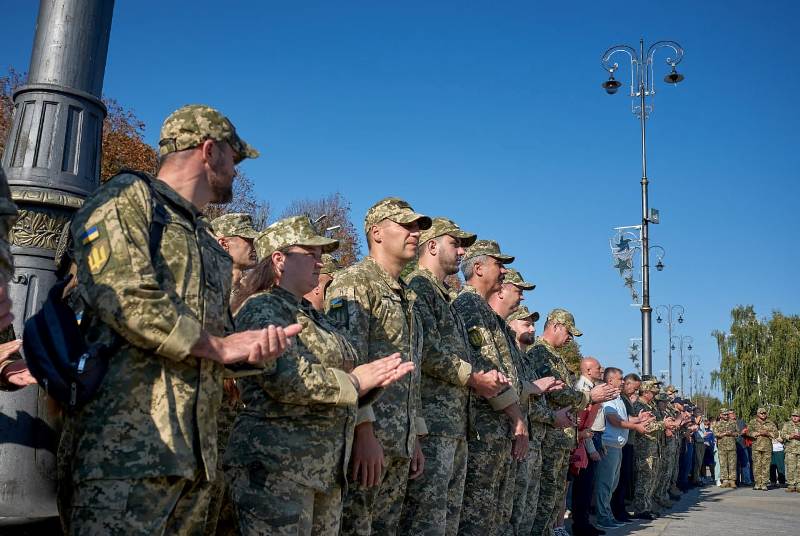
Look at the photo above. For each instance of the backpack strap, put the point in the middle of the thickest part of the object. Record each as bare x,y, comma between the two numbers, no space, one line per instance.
160,216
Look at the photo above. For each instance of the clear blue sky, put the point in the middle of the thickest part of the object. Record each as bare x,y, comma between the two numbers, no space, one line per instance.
491,113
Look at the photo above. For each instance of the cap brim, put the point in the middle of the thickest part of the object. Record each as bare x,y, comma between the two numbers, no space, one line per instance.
252,235
328,245
575,331
466,239
245,150
536,316
524,285
409,217
505,259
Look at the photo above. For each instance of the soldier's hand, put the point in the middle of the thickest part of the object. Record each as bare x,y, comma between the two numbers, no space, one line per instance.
6,318
417,463
380,373
547,384
17,374
603,393
519,448
255,346
563,419
487,384
368,461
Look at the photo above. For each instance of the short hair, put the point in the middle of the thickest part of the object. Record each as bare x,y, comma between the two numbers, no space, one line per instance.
609,371
424,246
632,377
468,265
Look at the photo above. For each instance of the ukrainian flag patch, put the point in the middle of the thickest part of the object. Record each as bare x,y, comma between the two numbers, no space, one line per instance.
90,235
336,303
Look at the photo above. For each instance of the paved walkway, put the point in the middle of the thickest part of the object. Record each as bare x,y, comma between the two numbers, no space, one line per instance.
713,511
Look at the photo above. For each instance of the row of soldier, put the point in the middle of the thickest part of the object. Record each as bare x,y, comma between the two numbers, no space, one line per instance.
357,403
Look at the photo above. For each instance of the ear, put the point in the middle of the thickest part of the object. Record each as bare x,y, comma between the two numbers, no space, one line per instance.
477,269
376,232
207,150
433,247
278,260
223,242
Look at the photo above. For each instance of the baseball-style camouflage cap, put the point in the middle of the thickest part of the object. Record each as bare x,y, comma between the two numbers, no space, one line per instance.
515,278
723,410
522,313
564,317
193,124
649,385
796,412
487,247
329,264
234,224
671,389
761,410
443,226
397,210
293,231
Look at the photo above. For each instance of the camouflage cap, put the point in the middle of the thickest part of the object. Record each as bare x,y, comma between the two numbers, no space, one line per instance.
293,231
796,412
671,389
564,317
443,226
649,385
723,410
487,247
761,410
234,224
515,278
522,313
193,124
329,264
395,209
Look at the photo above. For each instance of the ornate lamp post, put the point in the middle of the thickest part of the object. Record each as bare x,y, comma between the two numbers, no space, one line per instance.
669,313
688,345
643,88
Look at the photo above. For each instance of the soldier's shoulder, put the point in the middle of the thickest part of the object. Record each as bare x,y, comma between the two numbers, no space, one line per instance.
261,309
126,185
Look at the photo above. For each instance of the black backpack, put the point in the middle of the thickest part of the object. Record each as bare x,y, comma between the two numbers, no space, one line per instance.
68,368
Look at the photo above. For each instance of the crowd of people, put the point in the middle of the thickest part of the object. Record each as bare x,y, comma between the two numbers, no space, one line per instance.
260,389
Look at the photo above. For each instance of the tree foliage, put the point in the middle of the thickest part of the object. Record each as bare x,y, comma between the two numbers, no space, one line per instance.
336,211
759,363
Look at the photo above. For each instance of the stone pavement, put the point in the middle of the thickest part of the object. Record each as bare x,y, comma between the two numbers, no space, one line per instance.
713,511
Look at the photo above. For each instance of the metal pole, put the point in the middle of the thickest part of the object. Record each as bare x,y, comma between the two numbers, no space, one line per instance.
682,391
669,346
52,161
647,345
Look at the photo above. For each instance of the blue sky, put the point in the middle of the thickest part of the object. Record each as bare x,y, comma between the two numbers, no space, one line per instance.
491,113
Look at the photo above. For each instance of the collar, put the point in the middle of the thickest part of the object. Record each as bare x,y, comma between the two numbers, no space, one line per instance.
427,274
372,265
177,199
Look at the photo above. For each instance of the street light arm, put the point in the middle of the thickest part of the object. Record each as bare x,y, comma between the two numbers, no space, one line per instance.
650,88
607,64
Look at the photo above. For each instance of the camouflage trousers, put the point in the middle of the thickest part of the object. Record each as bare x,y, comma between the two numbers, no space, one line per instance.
487,465
221,519
675,465
646,467
555,464
526,491
669,460
266,504
433,501
147,506
377,510
792,463
761,461
727,465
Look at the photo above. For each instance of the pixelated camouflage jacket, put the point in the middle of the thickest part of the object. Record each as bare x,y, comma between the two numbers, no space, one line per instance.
654,429
445,357
545,357
375,312
299,415
791,446
725,442
156,411
488,351
762,443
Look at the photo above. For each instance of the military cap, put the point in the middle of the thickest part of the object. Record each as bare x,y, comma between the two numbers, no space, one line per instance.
443,226
796,412
193,124
293,231
761,410
515,278
522,313
489,248
723,410
562,316
661,397
329,264
649,385
234,224
397,210
671,389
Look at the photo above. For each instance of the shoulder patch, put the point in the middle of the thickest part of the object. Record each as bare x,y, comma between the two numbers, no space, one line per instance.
475,337
337,302
90,235
98,256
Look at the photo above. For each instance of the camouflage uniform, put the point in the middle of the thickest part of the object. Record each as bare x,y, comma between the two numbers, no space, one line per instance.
375,312
145,448
647,453
557,443
433,501
8,215
726,448
663,462
762,449
791,449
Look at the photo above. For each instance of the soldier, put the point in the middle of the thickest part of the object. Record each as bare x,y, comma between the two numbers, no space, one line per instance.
290,445
557,444
496,420
647,452
668,453
790,436
764,431
235,234
433,501
726,447
375,309
317,294
145,448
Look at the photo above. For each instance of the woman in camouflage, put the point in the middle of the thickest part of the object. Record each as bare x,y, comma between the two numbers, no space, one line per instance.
290,446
